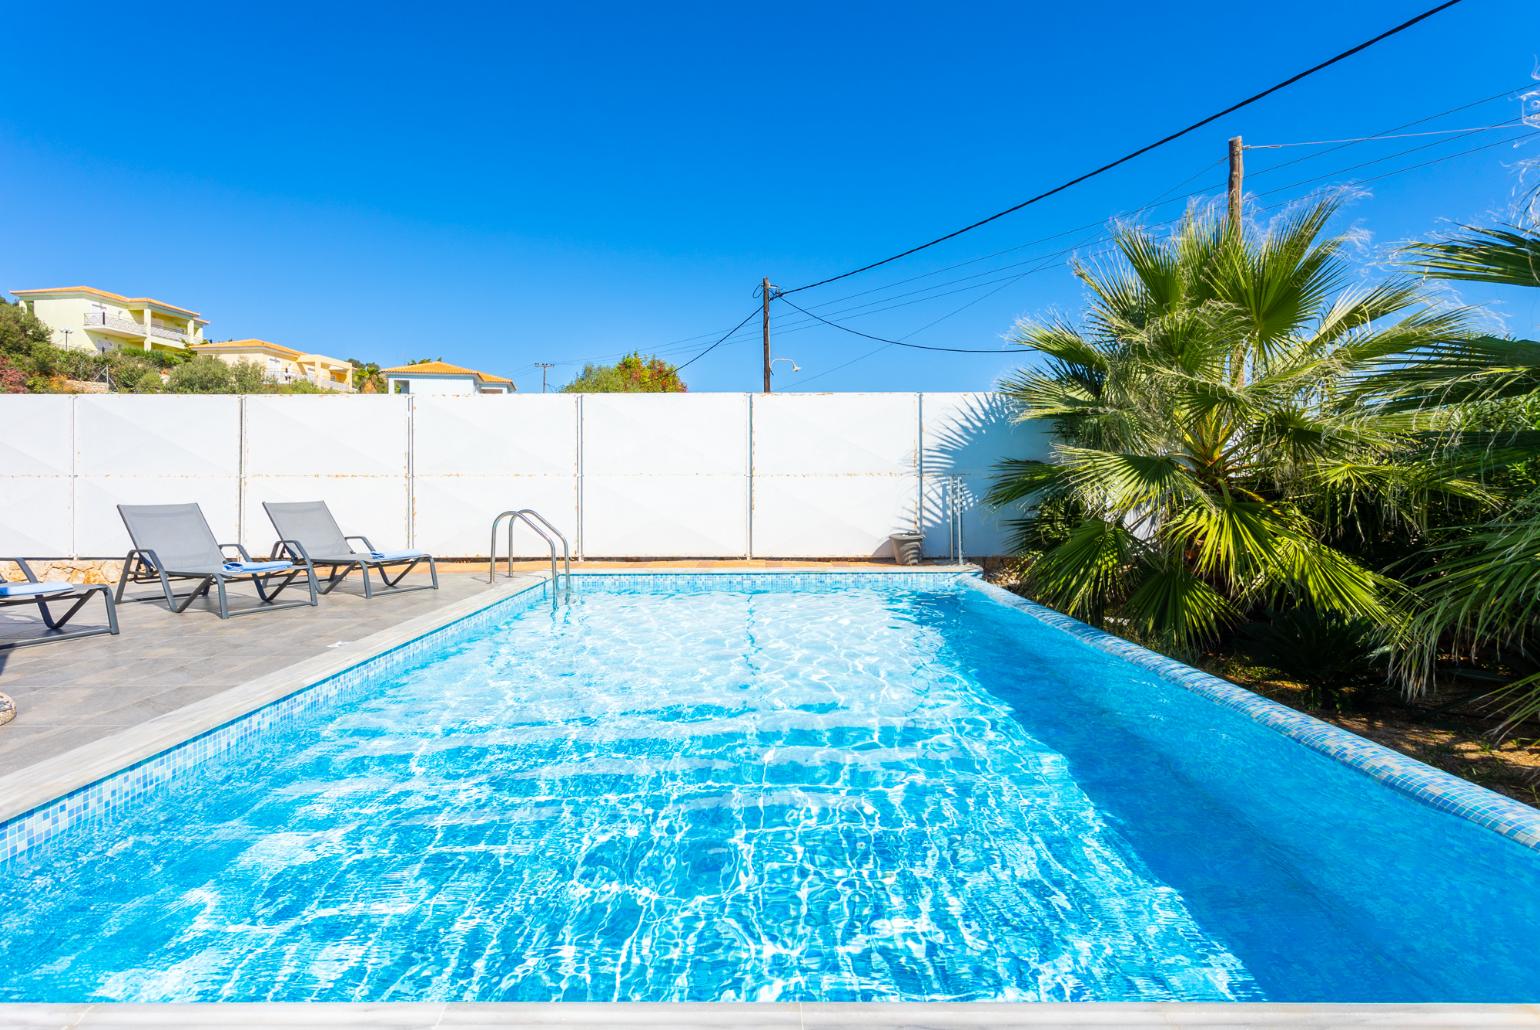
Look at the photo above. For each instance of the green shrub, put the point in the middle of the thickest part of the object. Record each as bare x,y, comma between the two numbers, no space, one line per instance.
147,382
248,377
631,374
1328,652
202,374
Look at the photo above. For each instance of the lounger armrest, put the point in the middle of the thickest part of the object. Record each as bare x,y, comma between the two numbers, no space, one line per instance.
367,545
296,551
26,570
245,554
145,555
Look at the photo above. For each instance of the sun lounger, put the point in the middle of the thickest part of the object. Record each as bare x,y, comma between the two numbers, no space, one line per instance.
308,532
33,591
174,542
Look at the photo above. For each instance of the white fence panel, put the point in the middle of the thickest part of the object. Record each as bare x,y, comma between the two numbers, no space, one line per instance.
476,456
99,532
965,436
834,474
37,455
830,516
665,475
351,452
38,438
35,516
154,450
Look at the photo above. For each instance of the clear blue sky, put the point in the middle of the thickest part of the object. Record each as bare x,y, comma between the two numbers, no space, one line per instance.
519,183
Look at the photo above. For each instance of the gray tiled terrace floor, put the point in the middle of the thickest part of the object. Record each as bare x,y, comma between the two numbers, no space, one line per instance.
72,692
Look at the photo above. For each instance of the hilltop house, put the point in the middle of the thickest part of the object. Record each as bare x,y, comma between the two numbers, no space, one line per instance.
282,364
85,318
442,377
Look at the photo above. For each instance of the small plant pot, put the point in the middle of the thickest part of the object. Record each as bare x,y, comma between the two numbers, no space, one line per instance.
906,547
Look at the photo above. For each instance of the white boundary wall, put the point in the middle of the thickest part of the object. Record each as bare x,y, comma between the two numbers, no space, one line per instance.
623,475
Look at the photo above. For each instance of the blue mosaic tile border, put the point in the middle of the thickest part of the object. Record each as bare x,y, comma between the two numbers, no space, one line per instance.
766,581
111,796
1432,787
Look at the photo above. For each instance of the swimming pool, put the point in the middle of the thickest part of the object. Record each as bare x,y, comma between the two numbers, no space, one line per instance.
811,787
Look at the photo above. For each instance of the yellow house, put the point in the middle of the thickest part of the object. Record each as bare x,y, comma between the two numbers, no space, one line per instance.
85,318
282,364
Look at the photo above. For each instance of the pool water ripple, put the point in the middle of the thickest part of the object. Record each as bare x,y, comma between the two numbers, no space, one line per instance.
864,794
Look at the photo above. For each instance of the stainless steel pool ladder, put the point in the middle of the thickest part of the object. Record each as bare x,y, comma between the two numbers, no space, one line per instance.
955,503
561,585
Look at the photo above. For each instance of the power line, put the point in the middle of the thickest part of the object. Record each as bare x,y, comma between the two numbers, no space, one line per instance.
1107,237
882,347
1400,171
683,345
1131,155
1267,207
714,346
1406,125
1162,199
1370,139
900,343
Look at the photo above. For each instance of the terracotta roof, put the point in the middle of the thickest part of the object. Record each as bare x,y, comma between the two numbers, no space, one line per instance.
93,291
273,348
444,368
248,345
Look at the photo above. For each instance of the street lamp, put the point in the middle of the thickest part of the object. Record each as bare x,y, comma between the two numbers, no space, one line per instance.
794,366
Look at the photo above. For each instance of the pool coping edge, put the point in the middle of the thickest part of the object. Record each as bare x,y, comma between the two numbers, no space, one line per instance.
789,1015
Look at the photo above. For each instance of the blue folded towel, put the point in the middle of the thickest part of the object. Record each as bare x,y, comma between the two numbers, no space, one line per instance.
34,589
257,566
396,555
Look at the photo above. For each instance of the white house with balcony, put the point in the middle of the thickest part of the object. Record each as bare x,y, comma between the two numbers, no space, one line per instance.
85,318
442,377
283,365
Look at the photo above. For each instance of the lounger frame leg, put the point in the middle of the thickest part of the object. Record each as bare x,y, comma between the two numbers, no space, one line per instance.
57,624
143,567
341,570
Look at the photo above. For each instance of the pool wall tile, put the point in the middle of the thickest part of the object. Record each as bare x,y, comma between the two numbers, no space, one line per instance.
1433,787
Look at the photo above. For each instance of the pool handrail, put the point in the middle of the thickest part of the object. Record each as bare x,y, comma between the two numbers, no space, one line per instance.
561,586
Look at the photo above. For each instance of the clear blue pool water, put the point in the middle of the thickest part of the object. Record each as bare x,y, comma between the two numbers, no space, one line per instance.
855,794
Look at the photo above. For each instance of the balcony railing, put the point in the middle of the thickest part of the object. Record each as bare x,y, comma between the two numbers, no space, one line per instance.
107,320
165,332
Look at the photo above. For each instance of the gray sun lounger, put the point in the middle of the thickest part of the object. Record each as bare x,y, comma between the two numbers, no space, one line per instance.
308,532
174,542
34,591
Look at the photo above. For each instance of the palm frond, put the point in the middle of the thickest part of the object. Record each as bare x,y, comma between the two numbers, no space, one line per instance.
1505,256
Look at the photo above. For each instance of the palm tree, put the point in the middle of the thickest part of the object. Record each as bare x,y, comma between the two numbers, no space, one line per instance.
1481,584
1208,452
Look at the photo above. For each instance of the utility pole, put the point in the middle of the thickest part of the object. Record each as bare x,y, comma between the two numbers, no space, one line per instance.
543,366
1234,214
764,290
